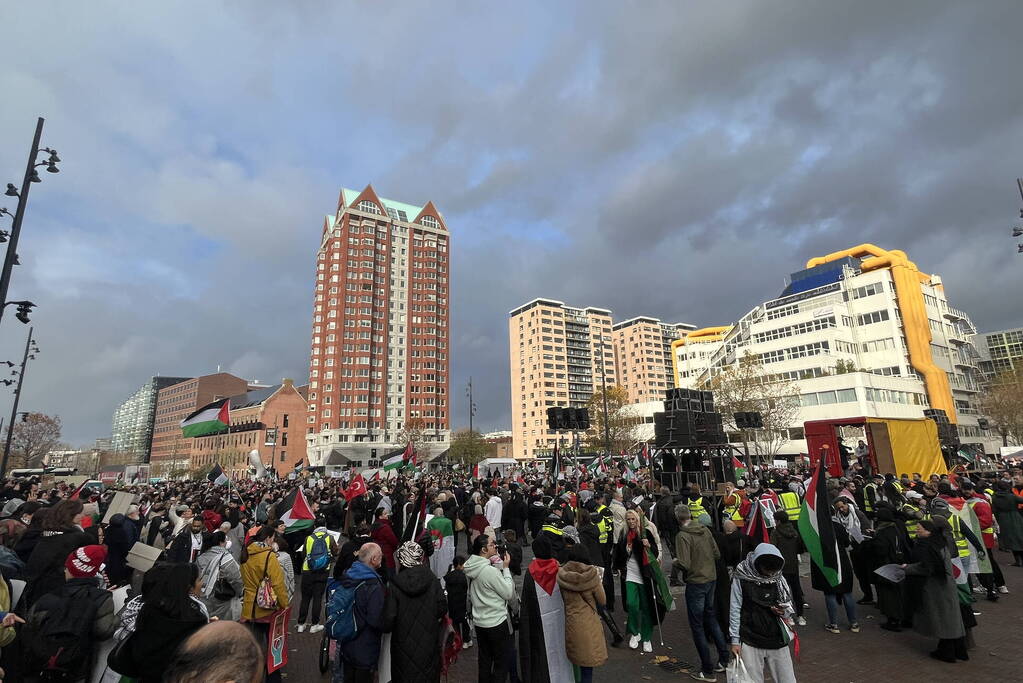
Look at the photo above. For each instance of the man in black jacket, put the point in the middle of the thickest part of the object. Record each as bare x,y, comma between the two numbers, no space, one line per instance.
667,526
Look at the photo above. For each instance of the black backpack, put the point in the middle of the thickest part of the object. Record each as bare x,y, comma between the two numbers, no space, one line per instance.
58,633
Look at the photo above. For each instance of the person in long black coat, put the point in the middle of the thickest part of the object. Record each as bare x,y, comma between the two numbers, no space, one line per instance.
120,536
413,614
60,537
887,547
457,586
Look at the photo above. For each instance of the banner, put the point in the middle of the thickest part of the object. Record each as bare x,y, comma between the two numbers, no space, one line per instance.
271,436
277,648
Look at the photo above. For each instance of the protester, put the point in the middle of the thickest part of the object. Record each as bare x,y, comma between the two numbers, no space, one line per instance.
383,535
785,537
171,611
582,590
187,544
362,654
842,592
320,554
541,639
457,587
631,561
61,535
221,576
221,652
695,557
933,597
264,589
760,607
1006,507
490,591
413,615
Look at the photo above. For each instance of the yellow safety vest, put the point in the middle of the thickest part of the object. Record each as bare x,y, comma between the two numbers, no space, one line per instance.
912,523
553,529
985,530
790,501
868,505
603,525
962,545
898,486
696,508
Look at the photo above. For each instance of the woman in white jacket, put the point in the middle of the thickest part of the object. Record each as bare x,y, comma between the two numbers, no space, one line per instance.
216,562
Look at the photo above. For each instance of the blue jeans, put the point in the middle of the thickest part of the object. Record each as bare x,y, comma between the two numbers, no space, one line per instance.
585,674
831,601
703,622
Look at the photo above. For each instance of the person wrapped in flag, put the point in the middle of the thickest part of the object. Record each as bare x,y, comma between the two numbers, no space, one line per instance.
645,594
760,616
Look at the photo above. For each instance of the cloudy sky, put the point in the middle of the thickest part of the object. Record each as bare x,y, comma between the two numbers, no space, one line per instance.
677,161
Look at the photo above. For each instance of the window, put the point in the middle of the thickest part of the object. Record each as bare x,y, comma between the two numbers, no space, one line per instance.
430,222
871,318
368,207
868,290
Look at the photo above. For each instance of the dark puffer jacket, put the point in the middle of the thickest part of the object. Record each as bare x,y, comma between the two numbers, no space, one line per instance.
416,595
45,567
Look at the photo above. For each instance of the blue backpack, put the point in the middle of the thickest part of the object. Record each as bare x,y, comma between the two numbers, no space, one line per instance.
319,553
341,622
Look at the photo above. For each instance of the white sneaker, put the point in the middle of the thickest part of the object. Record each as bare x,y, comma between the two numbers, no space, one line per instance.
648,646
978,589
1004,590
315,628
634,642
466,645
301,628
800,621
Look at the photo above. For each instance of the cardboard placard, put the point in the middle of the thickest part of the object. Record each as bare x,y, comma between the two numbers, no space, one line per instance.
119,505
142,557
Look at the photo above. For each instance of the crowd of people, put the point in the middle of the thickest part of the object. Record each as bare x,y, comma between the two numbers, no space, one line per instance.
403,575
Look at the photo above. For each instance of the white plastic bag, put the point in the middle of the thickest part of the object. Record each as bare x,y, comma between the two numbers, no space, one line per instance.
738,673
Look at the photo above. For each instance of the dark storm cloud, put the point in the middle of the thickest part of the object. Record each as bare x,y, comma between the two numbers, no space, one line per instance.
669,159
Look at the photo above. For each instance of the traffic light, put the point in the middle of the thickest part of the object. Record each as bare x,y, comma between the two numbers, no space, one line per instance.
24,308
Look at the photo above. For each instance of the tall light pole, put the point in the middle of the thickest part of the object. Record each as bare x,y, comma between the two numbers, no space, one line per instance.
30,352
31,176
472,406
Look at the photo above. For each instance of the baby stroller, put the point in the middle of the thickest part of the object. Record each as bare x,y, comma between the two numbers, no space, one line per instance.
328,646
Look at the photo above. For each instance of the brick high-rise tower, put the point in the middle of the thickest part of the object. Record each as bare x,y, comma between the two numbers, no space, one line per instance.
380,331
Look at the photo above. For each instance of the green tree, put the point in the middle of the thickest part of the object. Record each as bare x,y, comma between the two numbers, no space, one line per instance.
745,387
467,448
620,420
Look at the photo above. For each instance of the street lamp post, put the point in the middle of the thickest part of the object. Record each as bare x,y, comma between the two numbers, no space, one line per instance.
17,398
472,406
31,176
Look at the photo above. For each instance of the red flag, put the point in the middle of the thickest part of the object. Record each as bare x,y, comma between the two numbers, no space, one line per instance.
74,496
645,454
476,471
409,455
756,528
356,488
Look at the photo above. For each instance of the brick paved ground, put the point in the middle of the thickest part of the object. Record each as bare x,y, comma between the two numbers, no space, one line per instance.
867,656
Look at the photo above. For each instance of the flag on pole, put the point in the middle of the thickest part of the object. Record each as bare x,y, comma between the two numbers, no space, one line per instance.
394,461
212,418
356,487
740,469
756,526
556,460
642,459
217,475
78,491
627,474
595,465
476,471
816,529
376,476
298,515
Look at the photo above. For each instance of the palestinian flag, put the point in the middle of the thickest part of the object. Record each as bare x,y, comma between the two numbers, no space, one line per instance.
409,458
816,528
476,471
595,466
78,491
212,418
756,526
627,474
740,469
394,461
556,461
217,475
642,458
297,513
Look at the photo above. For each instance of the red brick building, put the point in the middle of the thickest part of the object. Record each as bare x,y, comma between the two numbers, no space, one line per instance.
170,450
270,420
380,334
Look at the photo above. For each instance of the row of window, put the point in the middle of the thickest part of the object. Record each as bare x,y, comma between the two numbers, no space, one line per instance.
792,330
871,318
801,351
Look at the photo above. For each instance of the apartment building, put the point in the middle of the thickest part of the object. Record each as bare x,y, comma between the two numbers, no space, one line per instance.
1000,351
132,423
643,356
380,330
861,332
559,355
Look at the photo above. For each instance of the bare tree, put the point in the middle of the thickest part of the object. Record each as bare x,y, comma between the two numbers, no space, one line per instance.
744,387
620,420
34,437
412,432
1002,403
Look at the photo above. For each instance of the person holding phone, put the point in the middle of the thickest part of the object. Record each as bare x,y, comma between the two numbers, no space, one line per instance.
491,588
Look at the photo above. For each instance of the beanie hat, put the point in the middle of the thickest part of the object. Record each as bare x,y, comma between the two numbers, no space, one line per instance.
87,561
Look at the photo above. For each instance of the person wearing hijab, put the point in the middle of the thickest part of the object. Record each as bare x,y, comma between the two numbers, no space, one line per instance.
933,596
760,615
887,547
413,614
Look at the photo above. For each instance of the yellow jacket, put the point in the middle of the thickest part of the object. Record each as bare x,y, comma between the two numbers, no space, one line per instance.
261,558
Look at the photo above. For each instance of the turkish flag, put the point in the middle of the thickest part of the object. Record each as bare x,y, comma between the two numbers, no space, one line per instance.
356,488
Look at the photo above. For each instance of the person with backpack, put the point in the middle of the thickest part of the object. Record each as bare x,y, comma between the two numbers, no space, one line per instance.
320,553
64,627
356,613
221,578
413,615
265,591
